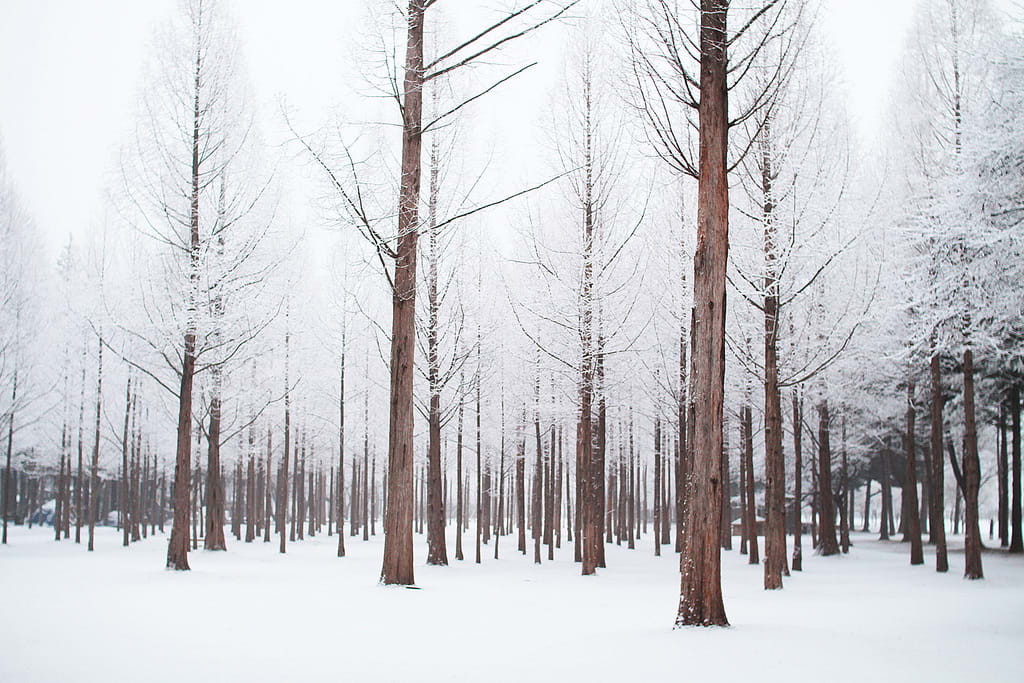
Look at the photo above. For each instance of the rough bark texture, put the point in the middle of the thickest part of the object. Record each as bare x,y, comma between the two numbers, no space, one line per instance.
214,539
827,543
398,554
700,599
972,476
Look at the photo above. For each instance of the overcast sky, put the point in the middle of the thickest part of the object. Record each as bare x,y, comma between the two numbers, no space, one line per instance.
68,89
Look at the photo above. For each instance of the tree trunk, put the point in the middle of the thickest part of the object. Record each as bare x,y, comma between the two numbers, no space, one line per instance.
846,505
750,513
341,447
1002,474
700,599
398,550
177,547
214,539
538,479
972,475
657,485
7,466
798,503
937,479
459,502
282,478
826,511
913,524
1016,537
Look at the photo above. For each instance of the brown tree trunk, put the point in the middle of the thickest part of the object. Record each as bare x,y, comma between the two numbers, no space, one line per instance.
398,550
479,472
775,463
282,478
886,511
726,491
459,502
126,495
798,481
1016,537
95,465
177,547
972,475
700,599
744,533
913,524
341,448
845,505
268,502
214,539
1002,466
521,494
657,485
7,465
750,512
437,552
867,505
79,477
826,510
538,479
600,455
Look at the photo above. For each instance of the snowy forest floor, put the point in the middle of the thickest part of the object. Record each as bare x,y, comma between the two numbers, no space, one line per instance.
251,614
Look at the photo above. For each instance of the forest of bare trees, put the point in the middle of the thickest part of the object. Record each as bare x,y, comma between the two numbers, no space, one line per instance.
698,310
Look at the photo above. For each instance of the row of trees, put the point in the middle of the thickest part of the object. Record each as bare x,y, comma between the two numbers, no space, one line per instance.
576,375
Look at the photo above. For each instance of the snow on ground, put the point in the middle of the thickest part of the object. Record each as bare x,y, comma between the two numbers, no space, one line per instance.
251,614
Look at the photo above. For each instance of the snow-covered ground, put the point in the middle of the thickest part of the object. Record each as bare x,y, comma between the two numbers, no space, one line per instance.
251,614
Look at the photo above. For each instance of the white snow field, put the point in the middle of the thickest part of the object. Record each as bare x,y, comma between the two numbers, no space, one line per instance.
251,614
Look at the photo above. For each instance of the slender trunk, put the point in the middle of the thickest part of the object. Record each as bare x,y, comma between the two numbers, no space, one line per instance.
936,499
826,511
7,465
798,478
657,485
1002,465
125,505
1016,537
79,476
177,547
95,464
750,513
459,503
775,463
972,475
913,523
282,478
886,482
479,473
845,508
214,539
341,449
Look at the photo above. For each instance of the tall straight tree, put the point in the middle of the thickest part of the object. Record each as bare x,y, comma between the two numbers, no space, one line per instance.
669,94
700,592
195,130
401,247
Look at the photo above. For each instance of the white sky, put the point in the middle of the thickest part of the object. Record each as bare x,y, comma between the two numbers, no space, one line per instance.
71,74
